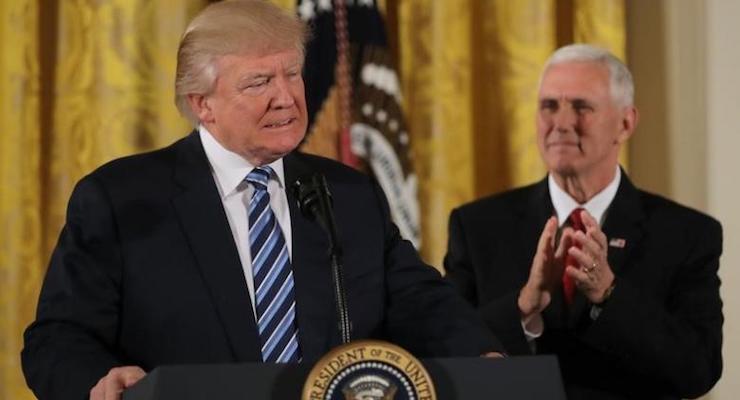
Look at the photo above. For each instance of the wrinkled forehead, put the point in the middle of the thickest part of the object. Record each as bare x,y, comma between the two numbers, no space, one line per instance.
568,80
266,61
262,47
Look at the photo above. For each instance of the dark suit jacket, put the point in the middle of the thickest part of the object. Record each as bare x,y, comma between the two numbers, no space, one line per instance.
660,333
146,273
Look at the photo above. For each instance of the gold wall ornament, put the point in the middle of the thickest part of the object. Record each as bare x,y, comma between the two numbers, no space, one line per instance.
368,369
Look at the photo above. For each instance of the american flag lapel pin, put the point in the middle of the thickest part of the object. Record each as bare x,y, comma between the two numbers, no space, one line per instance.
617,242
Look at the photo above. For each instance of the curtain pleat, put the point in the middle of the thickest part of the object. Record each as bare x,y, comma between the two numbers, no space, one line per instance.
21,258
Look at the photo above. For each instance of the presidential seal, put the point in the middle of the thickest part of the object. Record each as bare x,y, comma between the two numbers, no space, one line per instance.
368,370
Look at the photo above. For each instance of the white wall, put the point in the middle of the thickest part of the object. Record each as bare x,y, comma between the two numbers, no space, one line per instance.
723,170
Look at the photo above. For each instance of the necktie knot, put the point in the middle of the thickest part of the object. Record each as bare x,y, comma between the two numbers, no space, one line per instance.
259,177
575,220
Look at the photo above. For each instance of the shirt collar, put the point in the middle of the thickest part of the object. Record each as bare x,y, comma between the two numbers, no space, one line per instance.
230,168
597,206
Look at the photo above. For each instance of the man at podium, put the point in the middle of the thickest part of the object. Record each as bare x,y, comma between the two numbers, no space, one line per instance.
200,253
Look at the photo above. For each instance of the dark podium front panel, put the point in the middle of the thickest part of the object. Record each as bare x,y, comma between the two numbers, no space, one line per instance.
536,377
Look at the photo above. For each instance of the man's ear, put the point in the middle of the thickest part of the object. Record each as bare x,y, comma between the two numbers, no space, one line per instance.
201,106
630,116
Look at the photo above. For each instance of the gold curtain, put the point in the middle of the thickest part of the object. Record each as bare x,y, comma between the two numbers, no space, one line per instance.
81,82
21,258
469,72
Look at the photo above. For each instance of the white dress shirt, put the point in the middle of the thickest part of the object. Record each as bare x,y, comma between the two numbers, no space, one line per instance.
230,170
597,206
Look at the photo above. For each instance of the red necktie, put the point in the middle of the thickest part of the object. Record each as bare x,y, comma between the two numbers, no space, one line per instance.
574,219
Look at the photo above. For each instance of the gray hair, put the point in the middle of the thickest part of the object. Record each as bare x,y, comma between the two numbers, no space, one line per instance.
621,85
236,27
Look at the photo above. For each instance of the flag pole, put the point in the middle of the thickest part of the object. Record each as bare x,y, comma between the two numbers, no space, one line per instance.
344,84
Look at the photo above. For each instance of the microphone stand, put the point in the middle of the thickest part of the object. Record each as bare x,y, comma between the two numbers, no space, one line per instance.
314,198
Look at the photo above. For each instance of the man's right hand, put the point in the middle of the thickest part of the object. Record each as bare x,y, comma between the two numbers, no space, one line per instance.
112,385
546,272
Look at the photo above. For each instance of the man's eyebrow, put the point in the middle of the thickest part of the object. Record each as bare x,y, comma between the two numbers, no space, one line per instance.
296,64
566,98
255,75
580,101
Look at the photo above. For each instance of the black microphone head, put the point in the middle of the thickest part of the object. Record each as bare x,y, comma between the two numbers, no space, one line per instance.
306,195
315,202
314,199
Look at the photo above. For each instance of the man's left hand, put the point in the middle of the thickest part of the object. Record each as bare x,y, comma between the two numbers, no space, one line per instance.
593,276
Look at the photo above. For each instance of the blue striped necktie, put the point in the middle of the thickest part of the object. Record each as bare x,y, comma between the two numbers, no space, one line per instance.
273,276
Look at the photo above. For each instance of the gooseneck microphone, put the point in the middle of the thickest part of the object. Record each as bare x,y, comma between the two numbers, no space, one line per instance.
315,202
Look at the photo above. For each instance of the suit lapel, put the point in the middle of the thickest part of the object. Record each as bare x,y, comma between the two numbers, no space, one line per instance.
624,224
315,308
204,223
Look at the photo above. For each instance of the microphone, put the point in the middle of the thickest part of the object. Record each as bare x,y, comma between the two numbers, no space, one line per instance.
315,202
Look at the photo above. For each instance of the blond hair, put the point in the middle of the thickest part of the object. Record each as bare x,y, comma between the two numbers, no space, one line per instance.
235,27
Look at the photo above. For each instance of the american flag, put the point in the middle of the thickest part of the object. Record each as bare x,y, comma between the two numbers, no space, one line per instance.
354,101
